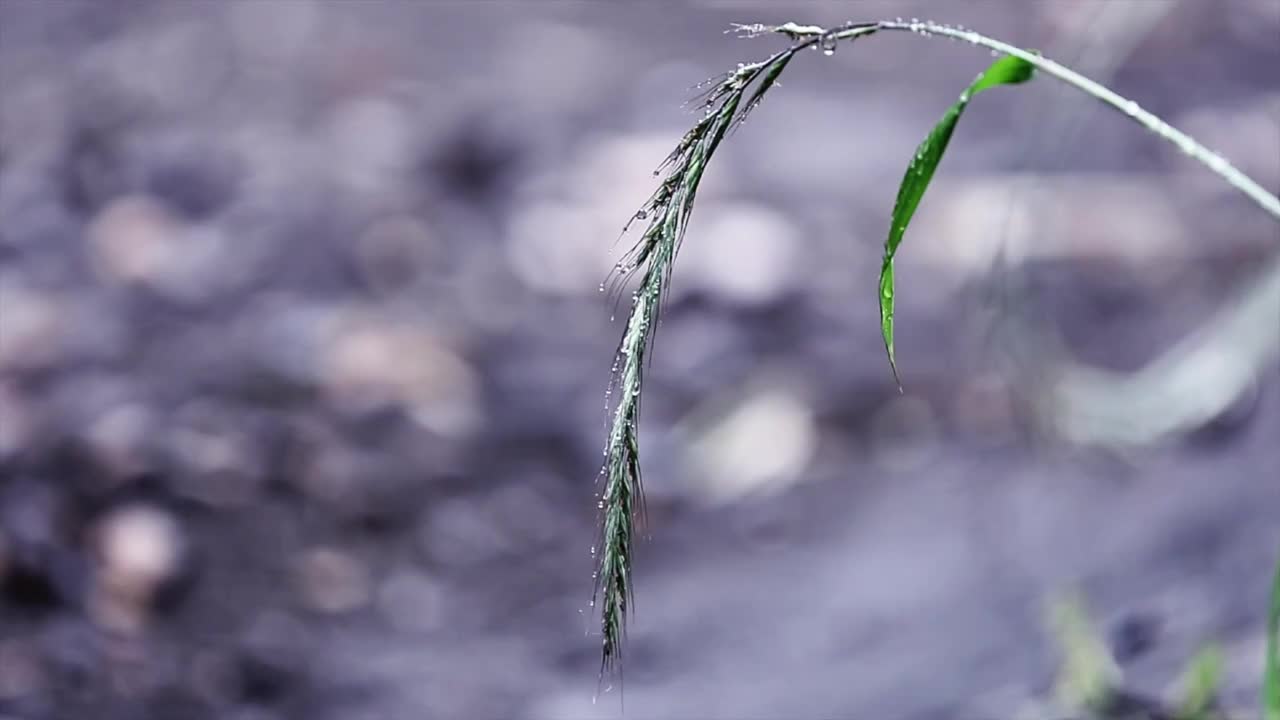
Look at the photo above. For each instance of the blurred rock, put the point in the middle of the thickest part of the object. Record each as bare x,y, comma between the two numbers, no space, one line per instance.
141,549
135,239
459,532
396,252
42,570
274,658
330,580
32,335
192,178
744,254
365,369
16,421
121,438
371,142
762,443
20,671
411,601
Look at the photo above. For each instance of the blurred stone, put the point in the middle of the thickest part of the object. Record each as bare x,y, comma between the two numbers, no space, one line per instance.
140,549
332,580
567,240
32,333
556,247
194,178
16,421
272,31
43,570
525,513
214,677
458,532
119,439
1134,635
983,411
20,671
72,647
220,458
476,161
964,226
177,65
370,364
370,141
273,658
760,444
393,253
411,602
745,254
134,239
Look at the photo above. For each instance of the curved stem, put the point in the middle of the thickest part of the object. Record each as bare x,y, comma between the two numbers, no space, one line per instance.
1184,142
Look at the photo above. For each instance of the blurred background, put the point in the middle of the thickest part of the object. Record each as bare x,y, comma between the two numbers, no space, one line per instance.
303,361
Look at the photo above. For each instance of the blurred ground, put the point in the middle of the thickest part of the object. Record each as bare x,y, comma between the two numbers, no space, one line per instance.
302,362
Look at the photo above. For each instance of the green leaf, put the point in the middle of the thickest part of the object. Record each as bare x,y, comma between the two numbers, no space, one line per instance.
1008,70
1089,672
1200,684
1271,676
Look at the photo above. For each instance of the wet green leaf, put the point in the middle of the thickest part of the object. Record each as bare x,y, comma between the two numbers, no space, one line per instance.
1007,70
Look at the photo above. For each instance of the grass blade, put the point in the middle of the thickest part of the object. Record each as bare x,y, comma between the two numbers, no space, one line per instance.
1271,676
1007,70
1089,673
1200,684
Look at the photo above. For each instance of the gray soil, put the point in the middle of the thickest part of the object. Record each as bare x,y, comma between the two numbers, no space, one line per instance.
302,363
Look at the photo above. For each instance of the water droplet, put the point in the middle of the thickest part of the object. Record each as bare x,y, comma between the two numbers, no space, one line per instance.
641,214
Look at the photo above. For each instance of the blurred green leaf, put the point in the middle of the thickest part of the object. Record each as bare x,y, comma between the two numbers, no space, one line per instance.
1200,684
1008,70
1271,678
1089,673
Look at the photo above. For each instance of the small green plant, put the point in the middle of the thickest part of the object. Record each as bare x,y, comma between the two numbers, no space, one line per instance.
666,213
1090,680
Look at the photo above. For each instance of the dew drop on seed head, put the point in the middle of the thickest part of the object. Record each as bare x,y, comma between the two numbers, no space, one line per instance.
642,214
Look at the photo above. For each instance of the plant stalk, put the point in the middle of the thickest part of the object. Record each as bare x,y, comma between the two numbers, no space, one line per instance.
1188,145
